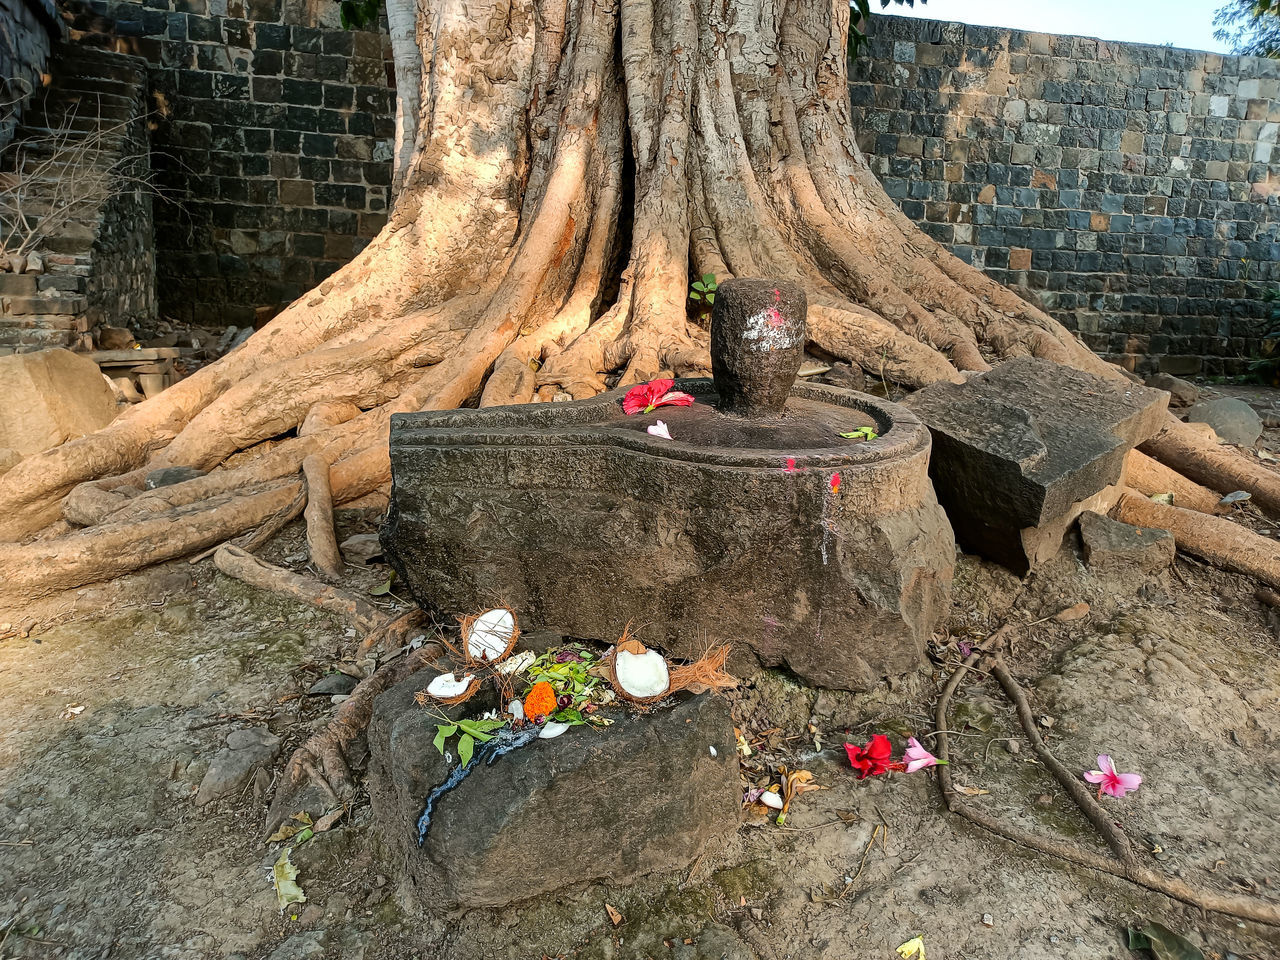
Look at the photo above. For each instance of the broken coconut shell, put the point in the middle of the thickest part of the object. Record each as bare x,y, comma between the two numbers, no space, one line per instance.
637,673
489,637
448,688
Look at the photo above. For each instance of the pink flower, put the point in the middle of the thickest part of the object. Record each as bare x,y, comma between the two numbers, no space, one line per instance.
659,429
917,757
644,397
1112,783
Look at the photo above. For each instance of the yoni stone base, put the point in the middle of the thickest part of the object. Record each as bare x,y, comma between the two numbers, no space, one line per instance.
647,794
797,547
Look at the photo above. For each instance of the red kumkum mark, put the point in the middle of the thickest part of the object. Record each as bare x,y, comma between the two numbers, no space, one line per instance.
791,465
835,483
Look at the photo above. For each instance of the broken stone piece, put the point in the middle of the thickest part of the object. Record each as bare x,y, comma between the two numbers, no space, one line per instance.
333,684
232,766
1182,393
168,476
1118,549
1233,420
644,795
1023,449
50,396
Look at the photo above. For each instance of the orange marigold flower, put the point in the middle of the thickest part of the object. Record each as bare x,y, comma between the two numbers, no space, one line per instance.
540,701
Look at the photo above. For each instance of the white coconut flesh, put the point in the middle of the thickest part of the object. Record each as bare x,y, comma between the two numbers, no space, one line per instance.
771,799
551,729
517,664
491,634
447,685
642,674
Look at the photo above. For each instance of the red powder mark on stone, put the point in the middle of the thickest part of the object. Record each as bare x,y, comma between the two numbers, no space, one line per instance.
791,465
775,318
835,483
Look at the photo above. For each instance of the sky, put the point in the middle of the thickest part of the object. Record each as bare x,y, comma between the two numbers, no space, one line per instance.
1184,23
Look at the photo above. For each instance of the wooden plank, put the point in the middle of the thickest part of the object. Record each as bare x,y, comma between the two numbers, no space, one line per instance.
142,355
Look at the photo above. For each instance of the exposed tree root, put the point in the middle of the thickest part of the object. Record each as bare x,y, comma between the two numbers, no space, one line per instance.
1152,478
1217,467
318,771
1216,539
560,164
322,541
244,566
1124,862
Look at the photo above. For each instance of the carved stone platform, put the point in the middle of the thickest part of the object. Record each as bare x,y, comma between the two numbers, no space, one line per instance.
769,531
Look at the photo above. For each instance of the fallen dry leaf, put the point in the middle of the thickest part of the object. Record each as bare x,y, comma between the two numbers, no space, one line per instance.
1077,612
972,791
614,916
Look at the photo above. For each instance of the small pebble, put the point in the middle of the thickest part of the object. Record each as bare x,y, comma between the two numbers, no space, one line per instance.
713,751
988,920
1013,746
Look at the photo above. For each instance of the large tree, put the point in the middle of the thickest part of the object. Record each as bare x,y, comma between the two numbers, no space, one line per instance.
562,167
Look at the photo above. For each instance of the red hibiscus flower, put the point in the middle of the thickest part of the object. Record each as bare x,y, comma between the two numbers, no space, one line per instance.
646,397
872,759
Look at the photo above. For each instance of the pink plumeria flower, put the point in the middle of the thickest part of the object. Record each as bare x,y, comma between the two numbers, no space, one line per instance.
917,757
659,429
1109,782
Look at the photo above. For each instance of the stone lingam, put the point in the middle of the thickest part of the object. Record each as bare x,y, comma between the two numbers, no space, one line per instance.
767,521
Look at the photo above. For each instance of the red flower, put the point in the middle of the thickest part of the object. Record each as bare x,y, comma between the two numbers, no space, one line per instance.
872,759
645,397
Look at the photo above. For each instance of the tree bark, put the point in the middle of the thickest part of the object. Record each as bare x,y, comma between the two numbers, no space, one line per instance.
560,168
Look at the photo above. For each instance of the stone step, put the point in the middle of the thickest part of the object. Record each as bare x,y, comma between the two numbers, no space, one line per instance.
42,305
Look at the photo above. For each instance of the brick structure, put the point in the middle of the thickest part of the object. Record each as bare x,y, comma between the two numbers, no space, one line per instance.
271,144
28,28
1130,190
79,163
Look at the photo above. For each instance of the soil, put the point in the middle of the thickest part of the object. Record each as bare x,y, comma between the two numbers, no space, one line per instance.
102,852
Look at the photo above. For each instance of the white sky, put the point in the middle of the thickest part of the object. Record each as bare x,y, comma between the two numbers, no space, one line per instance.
1184,23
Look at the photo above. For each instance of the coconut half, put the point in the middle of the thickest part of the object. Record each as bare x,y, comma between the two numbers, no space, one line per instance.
640,673
491,635
451,688
552,729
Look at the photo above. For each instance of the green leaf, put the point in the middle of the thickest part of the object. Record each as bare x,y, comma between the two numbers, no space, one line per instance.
711,298
443,733
862,433
699,286
347,14
695,296
1167,945
480,729
709,279
466,747
383,589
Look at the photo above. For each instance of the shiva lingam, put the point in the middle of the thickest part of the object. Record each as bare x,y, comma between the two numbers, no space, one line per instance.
794,521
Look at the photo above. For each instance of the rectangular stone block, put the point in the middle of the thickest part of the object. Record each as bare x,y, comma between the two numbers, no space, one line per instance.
1019,448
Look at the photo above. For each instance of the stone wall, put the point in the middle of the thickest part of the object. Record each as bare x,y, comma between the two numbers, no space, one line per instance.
1130,190
27,29
78,169
271,145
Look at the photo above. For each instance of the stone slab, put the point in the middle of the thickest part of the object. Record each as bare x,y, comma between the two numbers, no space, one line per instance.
647,794
1020,450
799,548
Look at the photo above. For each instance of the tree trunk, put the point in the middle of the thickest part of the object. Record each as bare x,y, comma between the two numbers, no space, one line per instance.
562,166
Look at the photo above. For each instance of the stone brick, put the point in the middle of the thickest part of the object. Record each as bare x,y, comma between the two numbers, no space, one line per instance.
1097,174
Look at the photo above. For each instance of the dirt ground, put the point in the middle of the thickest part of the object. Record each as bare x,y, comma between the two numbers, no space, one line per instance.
103,854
